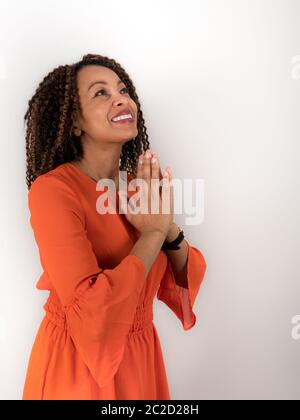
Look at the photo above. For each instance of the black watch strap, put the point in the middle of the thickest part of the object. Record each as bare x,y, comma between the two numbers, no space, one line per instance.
174,244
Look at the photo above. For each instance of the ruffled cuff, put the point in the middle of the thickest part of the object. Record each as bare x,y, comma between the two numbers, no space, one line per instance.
179,299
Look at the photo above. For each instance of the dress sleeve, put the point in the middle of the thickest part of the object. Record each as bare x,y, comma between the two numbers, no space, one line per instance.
179,299
99,304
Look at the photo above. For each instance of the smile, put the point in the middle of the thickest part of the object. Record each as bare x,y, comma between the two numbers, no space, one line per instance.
123,119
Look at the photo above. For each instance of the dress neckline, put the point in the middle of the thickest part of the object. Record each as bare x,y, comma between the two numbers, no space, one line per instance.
92,180
87,176
83,174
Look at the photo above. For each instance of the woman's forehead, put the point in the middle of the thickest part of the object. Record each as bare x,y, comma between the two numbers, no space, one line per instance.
92,73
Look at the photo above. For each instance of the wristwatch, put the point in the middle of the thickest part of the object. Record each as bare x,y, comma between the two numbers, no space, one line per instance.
174,244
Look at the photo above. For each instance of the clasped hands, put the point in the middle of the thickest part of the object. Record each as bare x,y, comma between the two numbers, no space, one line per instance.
149,168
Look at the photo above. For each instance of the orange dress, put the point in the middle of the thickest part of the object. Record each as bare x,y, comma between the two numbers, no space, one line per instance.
97,339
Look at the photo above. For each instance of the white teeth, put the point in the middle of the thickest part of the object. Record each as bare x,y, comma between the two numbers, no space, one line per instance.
122,117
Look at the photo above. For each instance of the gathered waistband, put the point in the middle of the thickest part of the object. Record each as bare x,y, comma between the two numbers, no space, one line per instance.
142,319
55,313
54,310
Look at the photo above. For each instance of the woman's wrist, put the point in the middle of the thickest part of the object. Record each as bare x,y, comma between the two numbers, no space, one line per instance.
156,232
172,233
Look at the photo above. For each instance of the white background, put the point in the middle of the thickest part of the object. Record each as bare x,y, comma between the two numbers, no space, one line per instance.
220,96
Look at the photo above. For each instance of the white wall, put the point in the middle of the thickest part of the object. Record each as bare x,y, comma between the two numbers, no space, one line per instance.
221,95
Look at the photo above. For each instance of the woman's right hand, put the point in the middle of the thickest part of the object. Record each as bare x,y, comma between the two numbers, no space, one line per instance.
148,221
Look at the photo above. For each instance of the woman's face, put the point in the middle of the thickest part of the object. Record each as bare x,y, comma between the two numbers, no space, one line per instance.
102,101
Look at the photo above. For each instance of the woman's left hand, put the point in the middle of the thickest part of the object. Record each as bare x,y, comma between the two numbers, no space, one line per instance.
173,231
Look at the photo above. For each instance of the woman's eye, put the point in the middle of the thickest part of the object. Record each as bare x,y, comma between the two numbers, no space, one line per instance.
99,91
103,90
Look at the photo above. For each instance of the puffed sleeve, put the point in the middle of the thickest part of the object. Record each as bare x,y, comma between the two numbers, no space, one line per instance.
99,304
179,299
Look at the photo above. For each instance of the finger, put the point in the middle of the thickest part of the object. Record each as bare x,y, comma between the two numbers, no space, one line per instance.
149,150
155,187
144,173
155,167
147,167
165,196
152,153
158,174
139,172
169,170
171,190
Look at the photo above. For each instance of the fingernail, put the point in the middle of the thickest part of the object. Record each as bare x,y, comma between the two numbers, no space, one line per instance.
155,157
153,160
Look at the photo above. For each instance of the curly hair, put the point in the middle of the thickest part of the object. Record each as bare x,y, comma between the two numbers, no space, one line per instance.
51,114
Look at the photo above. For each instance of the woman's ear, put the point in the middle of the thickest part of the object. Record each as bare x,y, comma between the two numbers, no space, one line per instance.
76,125
77,132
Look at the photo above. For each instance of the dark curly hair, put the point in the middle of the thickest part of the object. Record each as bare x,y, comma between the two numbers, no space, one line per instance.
51,113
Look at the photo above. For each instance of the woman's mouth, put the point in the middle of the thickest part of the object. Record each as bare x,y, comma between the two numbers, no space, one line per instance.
123,119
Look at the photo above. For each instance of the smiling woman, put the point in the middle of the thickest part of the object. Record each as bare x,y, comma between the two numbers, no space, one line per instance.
94,121
69,120
97,339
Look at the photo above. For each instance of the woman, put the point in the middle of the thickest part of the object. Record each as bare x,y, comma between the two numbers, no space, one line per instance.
97,339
